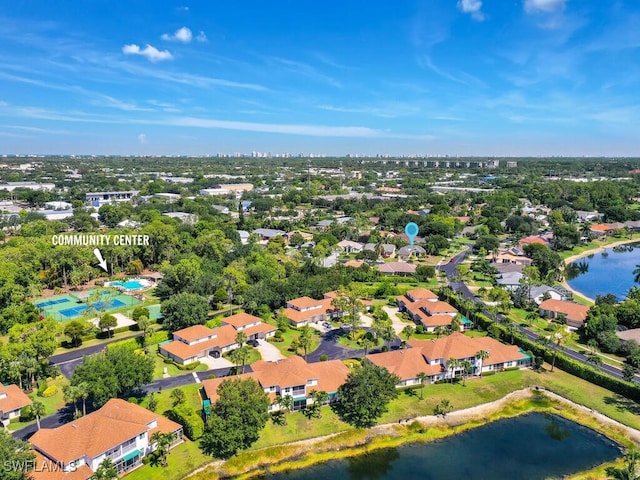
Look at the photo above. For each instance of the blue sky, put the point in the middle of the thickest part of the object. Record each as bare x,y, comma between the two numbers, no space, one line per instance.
457,77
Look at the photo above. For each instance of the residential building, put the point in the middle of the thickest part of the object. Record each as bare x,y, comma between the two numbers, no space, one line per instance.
253,327
347,246
424,308
386,250
168,197
12,400
409,251
397,268
574,313
305,310
292,376
538,293
56,214
267,234
510,280
120,431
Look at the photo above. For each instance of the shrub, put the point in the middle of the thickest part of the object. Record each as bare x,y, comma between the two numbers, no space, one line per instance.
420,329
186,416
211,376
158,337
42,386
191,366
50,391
488,374
133,400
26,414
275,339
324,357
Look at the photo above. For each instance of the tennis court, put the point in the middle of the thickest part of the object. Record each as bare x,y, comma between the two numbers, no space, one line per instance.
69,306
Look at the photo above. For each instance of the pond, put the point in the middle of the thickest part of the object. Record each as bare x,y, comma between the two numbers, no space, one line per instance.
528,447
609,271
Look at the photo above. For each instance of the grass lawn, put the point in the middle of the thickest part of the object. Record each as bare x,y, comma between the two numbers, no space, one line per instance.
172,370
254,356
192,397
182,460
288,337
51,404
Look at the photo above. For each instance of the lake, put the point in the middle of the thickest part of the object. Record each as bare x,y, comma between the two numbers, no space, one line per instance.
533,446
610,271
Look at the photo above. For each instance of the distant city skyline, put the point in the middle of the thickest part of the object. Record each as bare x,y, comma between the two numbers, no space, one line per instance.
430,77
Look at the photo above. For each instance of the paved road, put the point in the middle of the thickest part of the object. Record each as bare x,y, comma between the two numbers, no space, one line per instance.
66,414
330,347
464,292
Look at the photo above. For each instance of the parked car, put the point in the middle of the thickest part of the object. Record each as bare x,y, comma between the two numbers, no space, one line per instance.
327,325
253,343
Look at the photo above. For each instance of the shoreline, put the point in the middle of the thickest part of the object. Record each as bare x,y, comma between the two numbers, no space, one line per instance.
587,253
392,435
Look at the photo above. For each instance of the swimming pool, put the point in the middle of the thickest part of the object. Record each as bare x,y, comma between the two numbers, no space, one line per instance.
129,284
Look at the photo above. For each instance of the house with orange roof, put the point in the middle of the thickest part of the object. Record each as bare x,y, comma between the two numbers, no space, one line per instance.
574,313
253,327
406,363
461,347
119,431
195,342
305,310
293,377
424,307
533,239
397,268
12,400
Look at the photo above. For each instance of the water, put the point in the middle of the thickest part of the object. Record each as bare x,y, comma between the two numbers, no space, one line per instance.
610,271
530,447
129,285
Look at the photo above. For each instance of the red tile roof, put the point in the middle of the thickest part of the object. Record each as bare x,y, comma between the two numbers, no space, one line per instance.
195,332
115,423
241,319
15,399
405,363
573,311
304,302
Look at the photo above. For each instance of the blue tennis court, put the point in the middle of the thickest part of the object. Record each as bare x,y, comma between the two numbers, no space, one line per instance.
75,311
48,303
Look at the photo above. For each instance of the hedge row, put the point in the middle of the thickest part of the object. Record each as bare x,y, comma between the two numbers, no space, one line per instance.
569,365
191,422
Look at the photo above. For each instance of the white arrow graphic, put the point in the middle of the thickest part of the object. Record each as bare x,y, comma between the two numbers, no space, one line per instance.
101,261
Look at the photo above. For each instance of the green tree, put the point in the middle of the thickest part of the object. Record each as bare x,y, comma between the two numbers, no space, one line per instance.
152,402
106,471
367,343
365,394
286,405
407,332
184,310
305,339
636,274
443,408
177,396
75,330
139,313
452,365
108,322
629,372
38,409
466,367
422,378
236,419
18,458
162,442
71,394
319,397
629,471
349,303
482,355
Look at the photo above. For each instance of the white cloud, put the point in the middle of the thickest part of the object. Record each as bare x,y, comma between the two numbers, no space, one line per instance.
544,6
473,7
183,35
142,138
150,52
202,37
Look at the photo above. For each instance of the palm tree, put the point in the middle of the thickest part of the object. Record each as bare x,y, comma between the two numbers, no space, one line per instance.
177,396
452,364
241,337
407,332
162,443
39,411
422,378
83,393
531,317
71,395
466,368
106,471
482,355
443,408
629,471
286,405
367,343
594,360
319,398
305,339
557,338
512,329
243,356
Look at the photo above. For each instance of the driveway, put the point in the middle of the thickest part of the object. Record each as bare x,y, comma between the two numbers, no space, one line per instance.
398,324
216,363
269,352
